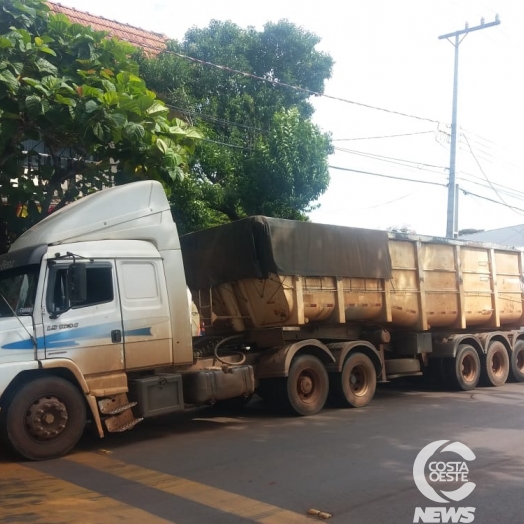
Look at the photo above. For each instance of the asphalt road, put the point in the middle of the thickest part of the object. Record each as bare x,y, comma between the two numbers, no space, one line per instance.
214,467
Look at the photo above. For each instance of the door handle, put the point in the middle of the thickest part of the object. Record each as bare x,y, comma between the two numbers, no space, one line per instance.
116,336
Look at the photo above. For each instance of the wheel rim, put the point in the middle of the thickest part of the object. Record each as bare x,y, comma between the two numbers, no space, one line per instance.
308,389
520,361
497,364
468,368
46,418
359,380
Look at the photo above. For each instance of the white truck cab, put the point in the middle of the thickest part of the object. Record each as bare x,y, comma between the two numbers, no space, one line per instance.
92,292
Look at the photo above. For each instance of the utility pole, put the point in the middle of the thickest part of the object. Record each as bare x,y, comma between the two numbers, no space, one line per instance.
452,204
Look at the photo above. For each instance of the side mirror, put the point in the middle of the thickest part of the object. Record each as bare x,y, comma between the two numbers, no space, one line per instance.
77,283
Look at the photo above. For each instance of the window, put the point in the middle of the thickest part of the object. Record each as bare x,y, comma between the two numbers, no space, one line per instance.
99,283
18,290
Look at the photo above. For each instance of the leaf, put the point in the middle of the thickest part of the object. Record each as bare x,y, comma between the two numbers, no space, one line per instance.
91,106
172,159
45,66
110,98
118,119
175,173
194,133
156,109
128,104
31,81
88,90
45,106
17,67
7,78
5,43
98,131
134,131
108,86
33,104
144,103
51,82
64,100
161,145
46,49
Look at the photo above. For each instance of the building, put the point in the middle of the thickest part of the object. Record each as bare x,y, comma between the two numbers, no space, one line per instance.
512,236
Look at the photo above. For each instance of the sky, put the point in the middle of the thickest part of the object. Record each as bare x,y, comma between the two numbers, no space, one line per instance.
389,60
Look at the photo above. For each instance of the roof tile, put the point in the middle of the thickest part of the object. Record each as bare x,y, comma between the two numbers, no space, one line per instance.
152,43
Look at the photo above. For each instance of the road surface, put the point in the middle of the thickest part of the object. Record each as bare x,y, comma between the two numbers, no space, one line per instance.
215,467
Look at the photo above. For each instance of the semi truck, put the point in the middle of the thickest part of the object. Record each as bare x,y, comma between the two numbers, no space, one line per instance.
108,317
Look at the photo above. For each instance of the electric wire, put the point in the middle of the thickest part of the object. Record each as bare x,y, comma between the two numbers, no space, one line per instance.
464,191
382,136
489,181
286,85
387,176
384,158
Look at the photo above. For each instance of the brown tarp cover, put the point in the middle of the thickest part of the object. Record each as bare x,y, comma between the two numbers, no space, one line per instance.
256,246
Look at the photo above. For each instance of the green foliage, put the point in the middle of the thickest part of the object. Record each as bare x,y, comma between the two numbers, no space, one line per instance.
288,166
76,95
261,153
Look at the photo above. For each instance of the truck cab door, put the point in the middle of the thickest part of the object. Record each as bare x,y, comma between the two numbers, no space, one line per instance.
145,313
87,332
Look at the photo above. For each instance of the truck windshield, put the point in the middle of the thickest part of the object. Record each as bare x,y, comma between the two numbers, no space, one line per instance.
18,287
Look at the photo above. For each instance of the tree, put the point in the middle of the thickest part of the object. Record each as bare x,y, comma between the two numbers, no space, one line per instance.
72,103
261,152
404,228
469,231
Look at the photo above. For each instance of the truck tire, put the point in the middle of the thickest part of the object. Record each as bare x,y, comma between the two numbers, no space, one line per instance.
466,368
496,365
517,362
355,385
45,418
306,388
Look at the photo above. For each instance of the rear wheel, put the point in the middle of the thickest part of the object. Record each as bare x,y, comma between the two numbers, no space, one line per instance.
517,361
45,418
305,390
355,385
466,368
496,368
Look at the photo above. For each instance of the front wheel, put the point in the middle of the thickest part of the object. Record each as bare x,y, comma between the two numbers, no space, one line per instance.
496,369
355,386
306,387
45,418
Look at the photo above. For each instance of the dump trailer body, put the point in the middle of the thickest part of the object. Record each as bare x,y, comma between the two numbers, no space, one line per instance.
263,272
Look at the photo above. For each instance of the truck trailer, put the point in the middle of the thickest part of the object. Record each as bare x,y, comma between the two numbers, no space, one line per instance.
107,316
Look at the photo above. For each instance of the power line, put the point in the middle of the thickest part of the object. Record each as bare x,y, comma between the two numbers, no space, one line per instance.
284,84
212,118
488,180
466,192
517,209
513,194
389,159
226,144
382,136
387,176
